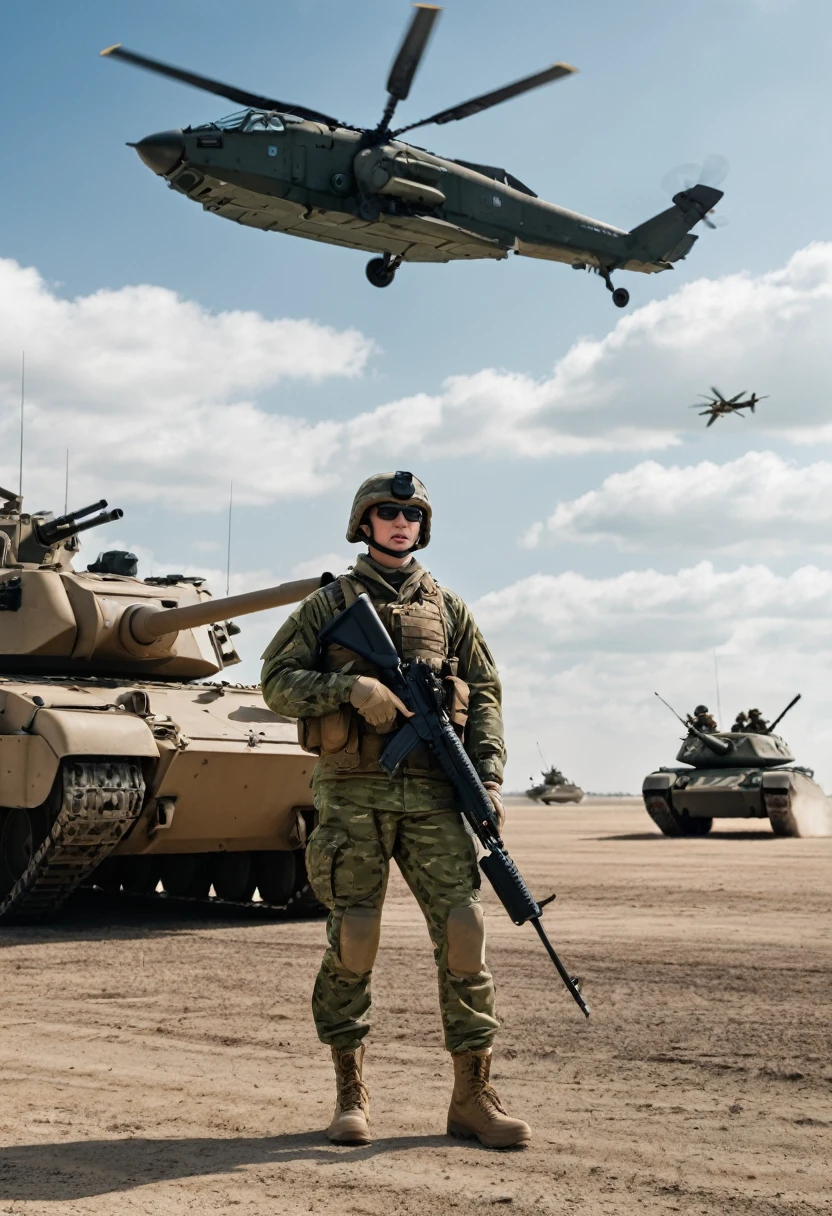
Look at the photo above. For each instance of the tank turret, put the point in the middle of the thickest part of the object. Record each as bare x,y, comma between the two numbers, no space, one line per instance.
720,750
105,620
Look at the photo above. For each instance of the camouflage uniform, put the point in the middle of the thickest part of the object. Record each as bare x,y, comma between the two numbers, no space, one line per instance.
365,818
701,719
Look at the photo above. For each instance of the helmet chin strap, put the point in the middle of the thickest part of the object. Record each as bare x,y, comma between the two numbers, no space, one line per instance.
371,540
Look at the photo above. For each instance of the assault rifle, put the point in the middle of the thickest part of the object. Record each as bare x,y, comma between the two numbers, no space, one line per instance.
359,629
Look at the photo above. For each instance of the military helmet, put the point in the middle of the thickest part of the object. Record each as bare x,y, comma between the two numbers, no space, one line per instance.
754,713
700,709
400,486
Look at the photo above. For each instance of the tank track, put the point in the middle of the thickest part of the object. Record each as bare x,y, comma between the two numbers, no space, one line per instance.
301,902
659,811
778,806
96,802
670,822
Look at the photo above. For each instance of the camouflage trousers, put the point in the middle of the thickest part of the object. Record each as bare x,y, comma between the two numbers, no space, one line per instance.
362,824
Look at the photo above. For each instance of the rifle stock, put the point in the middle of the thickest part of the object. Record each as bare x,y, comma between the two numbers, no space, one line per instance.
359,629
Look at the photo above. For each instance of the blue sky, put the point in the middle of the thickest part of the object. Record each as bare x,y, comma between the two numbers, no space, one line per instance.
659,84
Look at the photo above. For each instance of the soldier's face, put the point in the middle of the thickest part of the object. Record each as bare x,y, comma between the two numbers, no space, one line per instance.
399,534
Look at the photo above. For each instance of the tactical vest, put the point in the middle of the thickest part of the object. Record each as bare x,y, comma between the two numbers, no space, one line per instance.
345,743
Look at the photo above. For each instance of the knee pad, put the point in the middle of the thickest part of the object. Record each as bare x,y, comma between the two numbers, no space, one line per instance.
466,941
358,939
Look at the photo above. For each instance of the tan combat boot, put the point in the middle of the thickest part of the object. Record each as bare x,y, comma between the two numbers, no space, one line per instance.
352,1105
475,1111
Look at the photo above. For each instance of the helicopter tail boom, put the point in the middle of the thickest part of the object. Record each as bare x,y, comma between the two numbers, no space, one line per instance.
667,238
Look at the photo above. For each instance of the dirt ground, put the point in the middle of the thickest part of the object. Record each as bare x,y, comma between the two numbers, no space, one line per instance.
155,1063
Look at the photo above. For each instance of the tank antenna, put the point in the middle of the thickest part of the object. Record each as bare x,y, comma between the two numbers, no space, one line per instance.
66,483
22,414
228,547
716,678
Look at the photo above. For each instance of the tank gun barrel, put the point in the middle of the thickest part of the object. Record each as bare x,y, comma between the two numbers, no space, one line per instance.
71,524
146,624
793,701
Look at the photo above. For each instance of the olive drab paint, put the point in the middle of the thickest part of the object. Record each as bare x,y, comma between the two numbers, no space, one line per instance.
281,167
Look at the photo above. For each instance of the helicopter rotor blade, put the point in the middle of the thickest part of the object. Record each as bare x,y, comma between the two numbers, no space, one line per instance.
241,96
411,50
477,104
717,393
712,420
407,61
737,397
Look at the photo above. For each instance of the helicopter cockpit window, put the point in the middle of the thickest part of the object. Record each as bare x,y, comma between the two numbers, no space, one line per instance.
258,121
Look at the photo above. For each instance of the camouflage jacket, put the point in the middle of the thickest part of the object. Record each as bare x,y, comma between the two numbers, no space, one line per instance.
293,684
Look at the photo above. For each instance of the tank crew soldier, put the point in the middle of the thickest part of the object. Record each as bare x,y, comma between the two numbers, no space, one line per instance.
365,818
701,719
740,727
757,725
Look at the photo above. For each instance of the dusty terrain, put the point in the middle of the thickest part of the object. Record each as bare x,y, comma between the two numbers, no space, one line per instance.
163,1065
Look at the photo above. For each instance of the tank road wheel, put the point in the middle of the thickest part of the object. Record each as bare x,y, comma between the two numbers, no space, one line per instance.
22,832
276,873
233,876
780,813
379,273
186,875
140,875
621,297
672,822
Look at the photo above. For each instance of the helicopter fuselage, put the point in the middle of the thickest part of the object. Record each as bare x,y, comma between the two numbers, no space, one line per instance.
280,173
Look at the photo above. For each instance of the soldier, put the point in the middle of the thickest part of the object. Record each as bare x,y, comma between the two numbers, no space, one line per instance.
365,818
701,719
740,727
757,725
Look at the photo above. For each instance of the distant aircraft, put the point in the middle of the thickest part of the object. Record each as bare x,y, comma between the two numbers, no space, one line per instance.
719,405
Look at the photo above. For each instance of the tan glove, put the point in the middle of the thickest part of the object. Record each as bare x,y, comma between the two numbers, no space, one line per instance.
496,797
375,702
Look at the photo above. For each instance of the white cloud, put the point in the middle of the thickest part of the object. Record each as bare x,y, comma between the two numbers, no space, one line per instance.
759,502
629,390
580,659
163,394
155,390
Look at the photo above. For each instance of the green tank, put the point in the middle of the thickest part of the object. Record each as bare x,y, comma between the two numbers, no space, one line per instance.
735,775
554,789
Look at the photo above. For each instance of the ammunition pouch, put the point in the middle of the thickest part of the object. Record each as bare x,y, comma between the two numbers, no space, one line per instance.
457,696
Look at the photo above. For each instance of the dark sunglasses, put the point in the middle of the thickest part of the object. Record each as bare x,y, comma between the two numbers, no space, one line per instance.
391,510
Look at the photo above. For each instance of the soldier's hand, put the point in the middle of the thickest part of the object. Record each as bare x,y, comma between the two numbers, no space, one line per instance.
495,794
377,704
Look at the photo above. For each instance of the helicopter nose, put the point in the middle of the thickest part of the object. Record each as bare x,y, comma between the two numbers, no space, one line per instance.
161,152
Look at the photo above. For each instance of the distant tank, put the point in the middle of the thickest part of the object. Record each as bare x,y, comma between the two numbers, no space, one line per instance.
118,765
734,775
554,788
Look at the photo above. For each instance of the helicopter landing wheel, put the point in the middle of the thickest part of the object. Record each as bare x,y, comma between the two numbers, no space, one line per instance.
381,271
621,297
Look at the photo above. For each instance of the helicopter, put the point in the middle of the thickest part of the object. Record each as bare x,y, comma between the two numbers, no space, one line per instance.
718,405
282,167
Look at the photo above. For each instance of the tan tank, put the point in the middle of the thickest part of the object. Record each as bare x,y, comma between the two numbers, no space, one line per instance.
120,764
